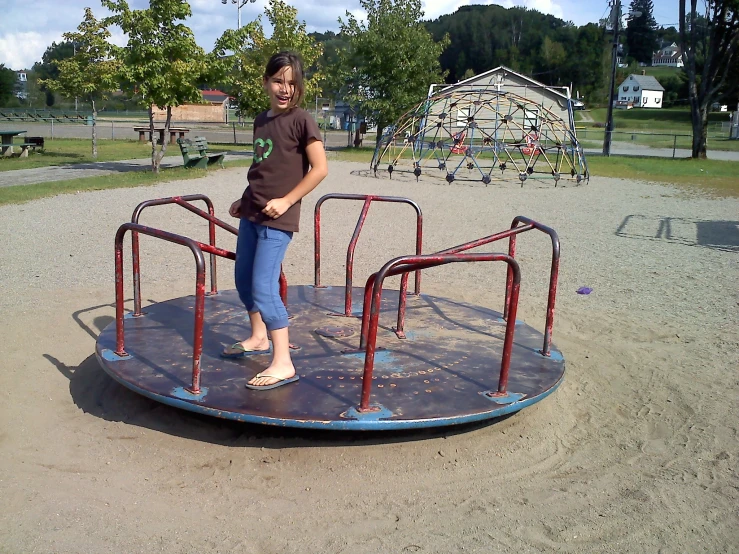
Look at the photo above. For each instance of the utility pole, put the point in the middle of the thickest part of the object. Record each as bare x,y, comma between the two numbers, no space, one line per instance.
616,18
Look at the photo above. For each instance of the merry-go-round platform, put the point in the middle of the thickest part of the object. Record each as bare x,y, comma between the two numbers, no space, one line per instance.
374,359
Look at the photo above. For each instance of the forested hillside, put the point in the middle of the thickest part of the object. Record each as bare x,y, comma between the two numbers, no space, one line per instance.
551,50
544,47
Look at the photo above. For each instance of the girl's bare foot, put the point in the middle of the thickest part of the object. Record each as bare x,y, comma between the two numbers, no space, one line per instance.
275,373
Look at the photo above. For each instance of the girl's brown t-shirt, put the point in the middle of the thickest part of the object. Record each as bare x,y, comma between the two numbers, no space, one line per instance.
280,163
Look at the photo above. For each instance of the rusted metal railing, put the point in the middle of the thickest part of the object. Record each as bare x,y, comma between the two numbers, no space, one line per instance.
197,249
183,201
529,224
405,264
213,221
368,199
520,224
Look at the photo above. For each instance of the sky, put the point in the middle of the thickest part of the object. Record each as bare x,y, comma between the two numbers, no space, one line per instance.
26,31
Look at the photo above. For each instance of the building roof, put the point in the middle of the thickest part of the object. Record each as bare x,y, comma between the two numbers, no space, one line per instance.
215,96
646,82
501,68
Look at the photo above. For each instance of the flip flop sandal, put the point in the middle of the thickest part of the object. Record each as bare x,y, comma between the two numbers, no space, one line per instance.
241,351
279,383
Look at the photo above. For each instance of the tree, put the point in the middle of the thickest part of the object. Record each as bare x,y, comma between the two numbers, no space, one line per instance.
7,84
391,60
253,50
90,73
332,45
708,54
641,31
47,68
161,61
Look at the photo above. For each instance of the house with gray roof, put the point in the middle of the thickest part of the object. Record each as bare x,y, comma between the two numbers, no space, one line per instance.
640,91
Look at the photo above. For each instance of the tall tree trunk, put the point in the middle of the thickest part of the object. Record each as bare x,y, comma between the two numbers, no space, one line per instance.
154,157
94,132
700,131
165,136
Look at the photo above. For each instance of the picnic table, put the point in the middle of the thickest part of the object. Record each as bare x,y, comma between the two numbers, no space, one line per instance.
6,144
173,132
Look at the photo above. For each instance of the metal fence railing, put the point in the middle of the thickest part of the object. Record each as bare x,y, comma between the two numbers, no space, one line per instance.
651,144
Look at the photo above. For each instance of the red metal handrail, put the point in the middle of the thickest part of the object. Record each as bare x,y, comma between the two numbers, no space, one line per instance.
197,249
184,202
213,221
368,199
528,224
410,263
553,274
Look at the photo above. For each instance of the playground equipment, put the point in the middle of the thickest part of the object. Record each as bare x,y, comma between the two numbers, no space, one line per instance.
482,135
444,362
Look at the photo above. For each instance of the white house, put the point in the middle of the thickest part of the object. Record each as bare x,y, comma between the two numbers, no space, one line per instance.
669,56
557,100
642,91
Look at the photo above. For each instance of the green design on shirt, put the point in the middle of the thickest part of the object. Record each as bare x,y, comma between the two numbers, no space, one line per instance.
266,149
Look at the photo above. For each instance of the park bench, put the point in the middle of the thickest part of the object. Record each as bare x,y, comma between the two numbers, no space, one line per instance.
30,142
195,153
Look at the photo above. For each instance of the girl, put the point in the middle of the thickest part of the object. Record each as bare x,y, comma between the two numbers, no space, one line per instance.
289,162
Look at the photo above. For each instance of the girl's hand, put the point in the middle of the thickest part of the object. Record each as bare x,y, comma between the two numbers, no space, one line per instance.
235,209
276,207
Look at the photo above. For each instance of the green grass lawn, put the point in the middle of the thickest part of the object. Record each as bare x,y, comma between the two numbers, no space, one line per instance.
653,120
713,177
661,72
129,179
73,151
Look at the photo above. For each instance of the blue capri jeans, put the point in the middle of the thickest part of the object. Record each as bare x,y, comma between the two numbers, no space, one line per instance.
259,254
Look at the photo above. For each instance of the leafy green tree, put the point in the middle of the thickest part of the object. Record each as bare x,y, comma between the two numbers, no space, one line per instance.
391,60
668,35
253,49
551,50
161,61
7,84
47,68
709,54
333,44
91,72
641,31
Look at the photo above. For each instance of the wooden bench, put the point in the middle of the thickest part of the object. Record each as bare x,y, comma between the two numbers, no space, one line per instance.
30,142
195,153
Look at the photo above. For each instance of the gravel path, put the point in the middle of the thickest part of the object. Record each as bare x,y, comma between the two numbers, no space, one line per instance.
636,452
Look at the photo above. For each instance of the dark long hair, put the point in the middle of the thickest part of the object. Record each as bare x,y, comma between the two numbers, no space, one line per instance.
292,60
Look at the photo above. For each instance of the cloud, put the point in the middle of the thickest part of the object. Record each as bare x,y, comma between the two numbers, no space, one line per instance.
21,50
24,39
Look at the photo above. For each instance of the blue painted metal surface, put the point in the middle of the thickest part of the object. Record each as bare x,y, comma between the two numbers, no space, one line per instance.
436,377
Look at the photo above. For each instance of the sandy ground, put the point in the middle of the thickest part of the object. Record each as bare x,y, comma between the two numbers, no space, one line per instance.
636,452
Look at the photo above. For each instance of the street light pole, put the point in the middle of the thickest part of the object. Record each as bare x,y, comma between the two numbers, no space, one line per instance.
614,56
239,4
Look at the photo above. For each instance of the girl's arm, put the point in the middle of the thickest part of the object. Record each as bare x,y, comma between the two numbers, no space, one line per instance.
317,173
235,209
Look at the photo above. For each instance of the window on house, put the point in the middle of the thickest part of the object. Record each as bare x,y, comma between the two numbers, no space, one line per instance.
530,119
462,115
636,87
626,89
